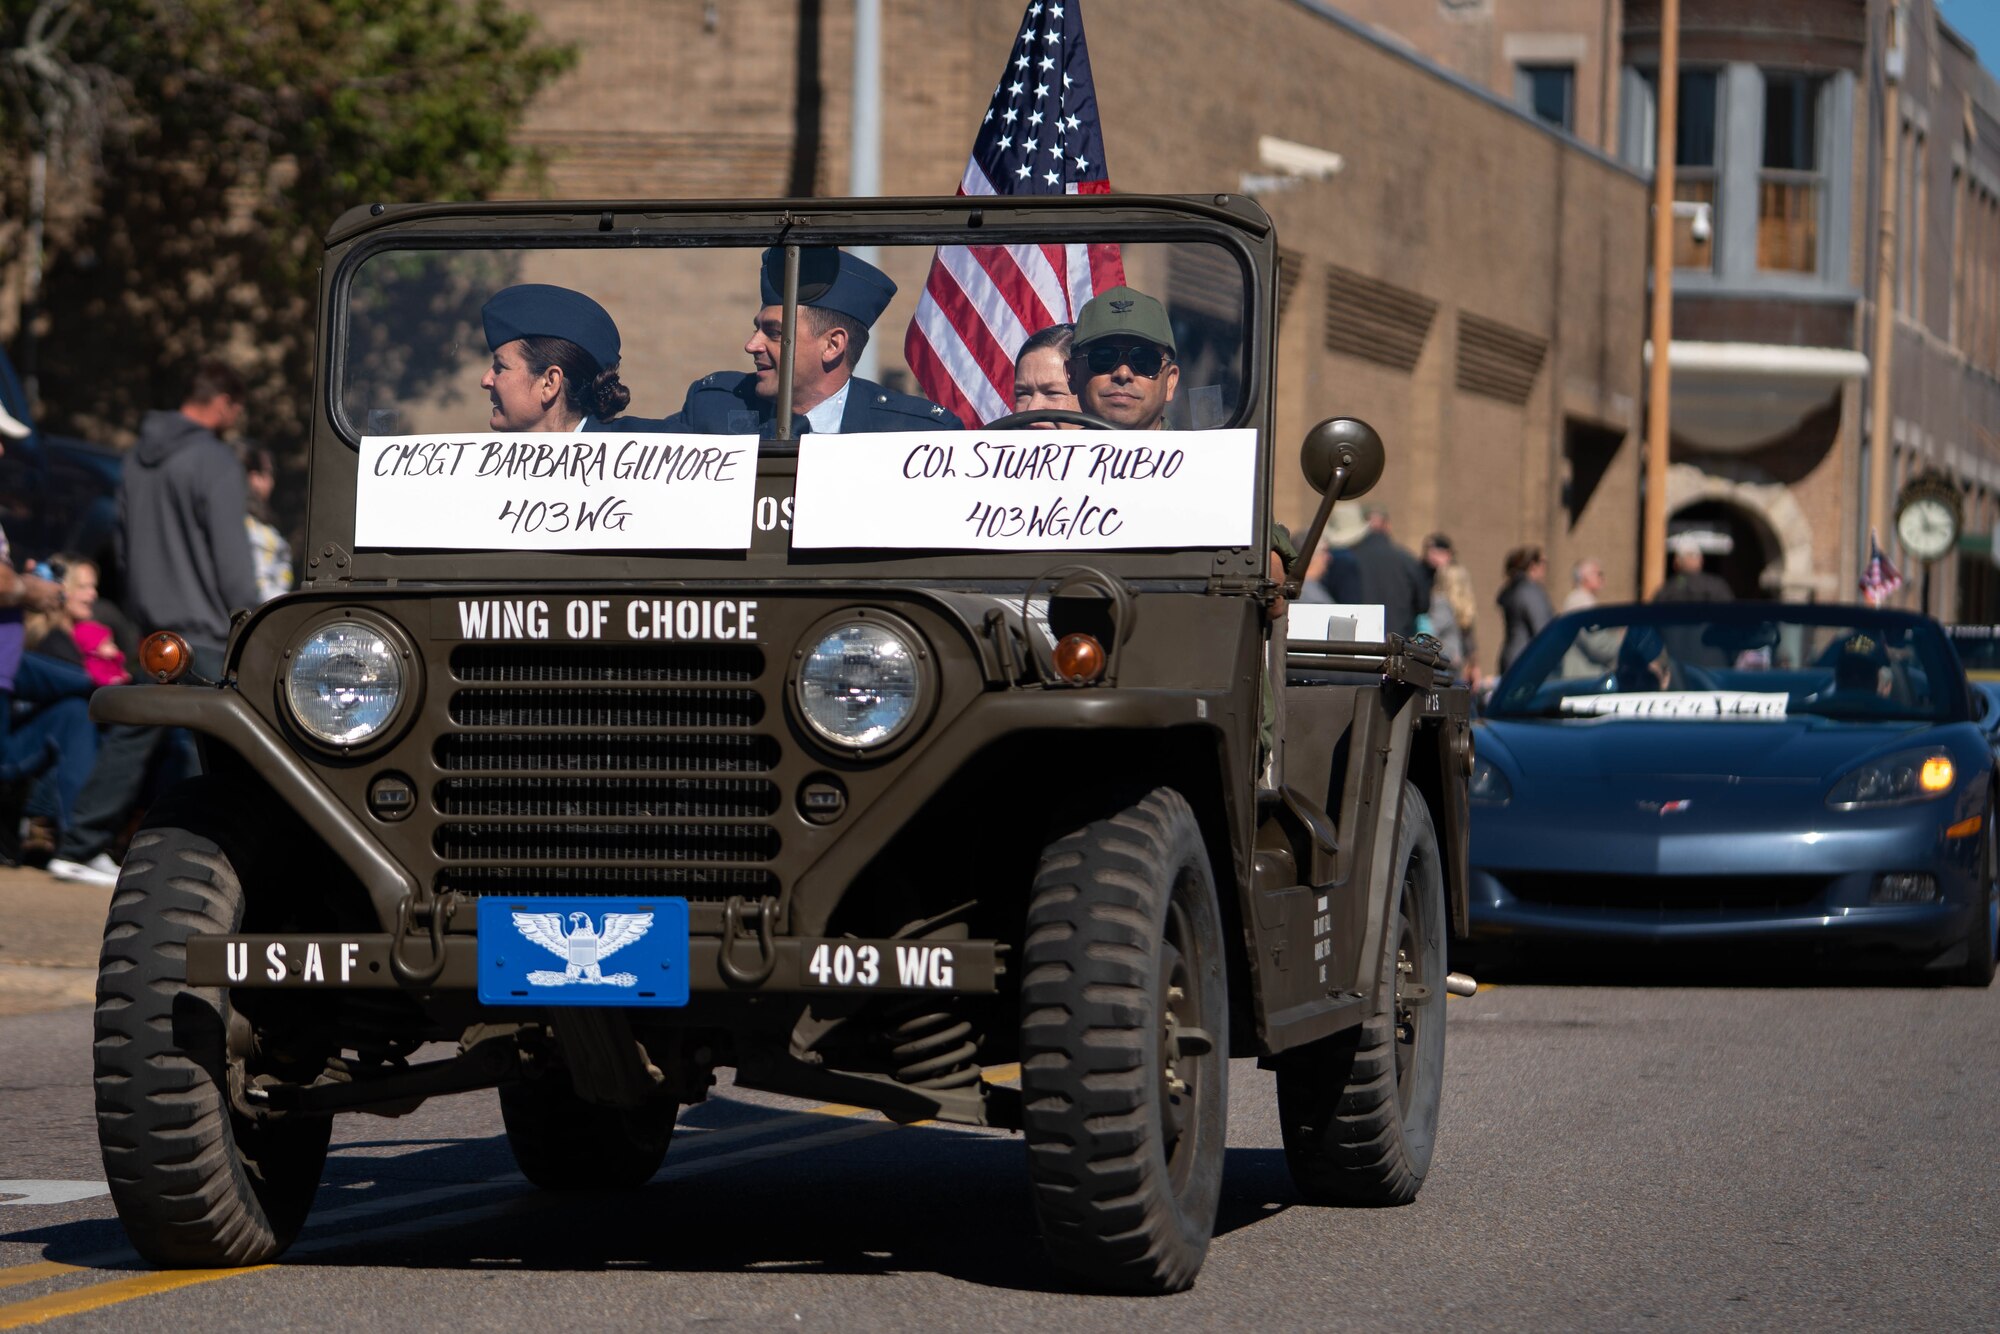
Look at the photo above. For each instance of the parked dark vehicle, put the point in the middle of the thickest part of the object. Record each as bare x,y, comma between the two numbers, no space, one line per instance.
57,493
1751,772
856,814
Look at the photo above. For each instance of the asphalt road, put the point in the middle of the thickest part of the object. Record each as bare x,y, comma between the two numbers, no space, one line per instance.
1718,1156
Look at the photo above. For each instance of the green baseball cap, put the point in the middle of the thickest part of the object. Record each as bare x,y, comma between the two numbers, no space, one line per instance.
1122,310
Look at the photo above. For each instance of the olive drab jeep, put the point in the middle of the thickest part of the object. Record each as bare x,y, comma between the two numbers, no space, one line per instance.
861,764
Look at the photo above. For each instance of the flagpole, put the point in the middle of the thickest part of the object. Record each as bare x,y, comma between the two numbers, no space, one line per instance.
864,164
1653,517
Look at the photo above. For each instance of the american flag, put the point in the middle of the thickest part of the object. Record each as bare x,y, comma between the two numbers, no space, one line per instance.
1881,579
1040,136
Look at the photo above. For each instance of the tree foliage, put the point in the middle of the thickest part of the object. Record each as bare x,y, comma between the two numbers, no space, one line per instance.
197,151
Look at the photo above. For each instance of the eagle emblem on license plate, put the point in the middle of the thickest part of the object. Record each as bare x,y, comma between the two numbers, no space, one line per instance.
582,945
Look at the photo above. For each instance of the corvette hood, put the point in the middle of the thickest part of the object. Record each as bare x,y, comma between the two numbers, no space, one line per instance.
1790,750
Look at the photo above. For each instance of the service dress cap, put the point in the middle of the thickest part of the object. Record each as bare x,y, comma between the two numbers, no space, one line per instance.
538,310
831,280
1128,311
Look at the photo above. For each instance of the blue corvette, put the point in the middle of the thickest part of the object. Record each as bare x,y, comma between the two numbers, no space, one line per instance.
1703,772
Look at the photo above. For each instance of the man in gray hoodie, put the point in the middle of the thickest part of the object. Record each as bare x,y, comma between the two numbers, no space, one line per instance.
186,556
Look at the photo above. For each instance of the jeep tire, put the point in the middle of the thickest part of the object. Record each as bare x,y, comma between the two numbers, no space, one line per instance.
562,1142
197,1183
1359,1109
1124,1071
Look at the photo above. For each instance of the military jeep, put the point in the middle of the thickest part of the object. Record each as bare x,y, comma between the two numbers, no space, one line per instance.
614,759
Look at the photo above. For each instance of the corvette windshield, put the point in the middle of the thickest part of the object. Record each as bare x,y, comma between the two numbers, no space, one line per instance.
1701,662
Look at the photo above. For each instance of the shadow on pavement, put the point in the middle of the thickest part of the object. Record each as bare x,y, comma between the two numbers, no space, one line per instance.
931,1199
1605,964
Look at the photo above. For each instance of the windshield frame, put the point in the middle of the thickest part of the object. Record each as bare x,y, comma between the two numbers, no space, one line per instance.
1235,224
1545,651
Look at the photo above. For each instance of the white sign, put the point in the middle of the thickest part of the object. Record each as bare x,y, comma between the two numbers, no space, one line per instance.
1026,490
538,491
1726,705
1361,622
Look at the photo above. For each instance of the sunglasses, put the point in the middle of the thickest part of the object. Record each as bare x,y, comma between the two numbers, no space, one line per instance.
1144,358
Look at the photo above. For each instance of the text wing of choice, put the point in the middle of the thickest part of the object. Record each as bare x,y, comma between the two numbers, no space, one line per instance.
1027,490
597,491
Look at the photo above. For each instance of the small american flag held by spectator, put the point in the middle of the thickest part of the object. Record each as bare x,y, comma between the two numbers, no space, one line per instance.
1040,136
1881,579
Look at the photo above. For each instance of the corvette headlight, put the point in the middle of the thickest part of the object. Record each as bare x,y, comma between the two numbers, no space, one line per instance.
860,685
1488,786
1908,775
346,683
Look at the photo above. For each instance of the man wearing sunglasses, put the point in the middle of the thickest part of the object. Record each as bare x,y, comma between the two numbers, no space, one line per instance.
1121,364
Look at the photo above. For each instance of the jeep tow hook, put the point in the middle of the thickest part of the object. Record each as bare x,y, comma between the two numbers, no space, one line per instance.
733,912
443,906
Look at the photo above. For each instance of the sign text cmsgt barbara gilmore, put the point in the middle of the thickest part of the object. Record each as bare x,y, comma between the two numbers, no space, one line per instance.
607,618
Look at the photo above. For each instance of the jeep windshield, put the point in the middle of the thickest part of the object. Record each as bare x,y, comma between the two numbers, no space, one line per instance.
1697,662
880,406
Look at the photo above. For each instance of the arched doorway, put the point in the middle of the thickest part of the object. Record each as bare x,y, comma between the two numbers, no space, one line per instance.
1735,543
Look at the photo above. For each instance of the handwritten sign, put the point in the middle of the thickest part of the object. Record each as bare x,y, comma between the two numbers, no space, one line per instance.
1678,705
1027,490
552,492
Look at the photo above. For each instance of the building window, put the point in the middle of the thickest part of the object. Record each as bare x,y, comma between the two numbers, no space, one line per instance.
1549,91
1696,162
1791,182
1913,206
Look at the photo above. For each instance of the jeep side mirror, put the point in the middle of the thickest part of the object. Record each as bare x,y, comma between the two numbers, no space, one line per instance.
1342,458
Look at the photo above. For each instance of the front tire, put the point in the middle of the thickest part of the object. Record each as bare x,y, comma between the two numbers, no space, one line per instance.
562,1142
1359,1109
197,1183
1124,1072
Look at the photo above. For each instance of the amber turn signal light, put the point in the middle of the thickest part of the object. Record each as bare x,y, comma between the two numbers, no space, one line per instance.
164,656
1964,828
1079,659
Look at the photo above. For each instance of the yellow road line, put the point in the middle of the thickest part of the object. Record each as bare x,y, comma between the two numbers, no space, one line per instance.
59,1304
35,1273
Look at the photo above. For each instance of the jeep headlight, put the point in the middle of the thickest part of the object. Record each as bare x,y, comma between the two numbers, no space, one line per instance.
860,685
345,684
1893,780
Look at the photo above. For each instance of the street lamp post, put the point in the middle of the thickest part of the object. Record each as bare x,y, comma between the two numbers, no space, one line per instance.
1653,523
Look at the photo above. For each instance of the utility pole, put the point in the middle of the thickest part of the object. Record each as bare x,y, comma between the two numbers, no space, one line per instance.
1879,417
1653,521
864,169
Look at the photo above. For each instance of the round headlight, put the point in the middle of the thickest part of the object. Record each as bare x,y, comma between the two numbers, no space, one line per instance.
860,684
346,683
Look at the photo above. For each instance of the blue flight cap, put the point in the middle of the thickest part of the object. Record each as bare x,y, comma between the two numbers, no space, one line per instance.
537,310
832,280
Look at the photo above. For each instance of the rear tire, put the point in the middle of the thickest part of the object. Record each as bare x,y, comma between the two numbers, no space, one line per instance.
196,1182
562,1142
1124,1067
1359,1109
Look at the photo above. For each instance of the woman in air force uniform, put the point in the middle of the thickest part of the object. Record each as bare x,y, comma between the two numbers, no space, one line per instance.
555,361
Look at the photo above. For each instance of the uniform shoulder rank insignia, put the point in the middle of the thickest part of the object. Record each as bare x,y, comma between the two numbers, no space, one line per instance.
936,411
881,398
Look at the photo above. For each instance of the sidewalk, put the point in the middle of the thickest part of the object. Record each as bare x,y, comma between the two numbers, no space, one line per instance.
49,934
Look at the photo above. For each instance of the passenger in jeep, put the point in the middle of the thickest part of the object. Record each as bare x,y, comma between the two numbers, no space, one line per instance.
555,361
840,298
1121,363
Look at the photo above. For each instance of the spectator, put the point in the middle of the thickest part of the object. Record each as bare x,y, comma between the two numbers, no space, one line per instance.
186,552
37,736
1524,602
68,634
1689,582
269,551
1594,651
1373,570
1453,607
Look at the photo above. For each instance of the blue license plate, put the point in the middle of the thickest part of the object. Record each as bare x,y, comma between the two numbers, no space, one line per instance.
583,951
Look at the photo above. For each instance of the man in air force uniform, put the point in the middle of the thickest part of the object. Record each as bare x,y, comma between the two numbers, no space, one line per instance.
840,297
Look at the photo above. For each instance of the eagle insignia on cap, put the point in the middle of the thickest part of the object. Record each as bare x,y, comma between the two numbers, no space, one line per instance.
1121,306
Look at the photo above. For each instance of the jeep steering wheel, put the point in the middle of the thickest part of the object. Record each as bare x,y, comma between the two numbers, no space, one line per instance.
1014,421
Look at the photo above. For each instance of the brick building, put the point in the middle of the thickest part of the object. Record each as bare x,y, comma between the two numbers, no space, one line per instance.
1471,280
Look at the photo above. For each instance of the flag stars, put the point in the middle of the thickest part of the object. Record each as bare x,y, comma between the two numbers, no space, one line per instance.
1073,123
1055,12
1034,118
1066,82
1011,116
1052,178
1048,62
1014,88
1006,142
1082,164
1035,10
1023,173
1029,145
1041,91
1052,36
1021,62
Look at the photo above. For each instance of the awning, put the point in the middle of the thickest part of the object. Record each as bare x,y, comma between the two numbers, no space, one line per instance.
1736,397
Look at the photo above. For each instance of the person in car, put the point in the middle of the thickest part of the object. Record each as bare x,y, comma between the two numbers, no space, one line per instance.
1121,362
555,361
840,298
1644,665
1041,373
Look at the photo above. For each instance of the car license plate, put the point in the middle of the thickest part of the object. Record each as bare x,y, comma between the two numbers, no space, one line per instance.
583,951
